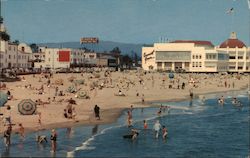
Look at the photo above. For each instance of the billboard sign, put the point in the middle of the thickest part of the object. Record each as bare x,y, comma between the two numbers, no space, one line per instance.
64,56
89,40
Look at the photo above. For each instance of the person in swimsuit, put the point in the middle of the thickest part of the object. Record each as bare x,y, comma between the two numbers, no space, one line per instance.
53,140
164,132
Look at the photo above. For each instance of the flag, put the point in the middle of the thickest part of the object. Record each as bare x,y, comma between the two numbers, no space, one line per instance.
248,1
230,11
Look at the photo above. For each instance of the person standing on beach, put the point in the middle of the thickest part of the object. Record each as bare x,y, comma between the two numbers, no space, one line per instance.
21,131
142,99
53,140
56,91
157,127
7,135
97,112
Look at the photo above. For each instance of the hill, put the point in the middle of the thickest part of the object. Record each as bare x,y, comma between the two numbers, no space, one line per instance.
102,46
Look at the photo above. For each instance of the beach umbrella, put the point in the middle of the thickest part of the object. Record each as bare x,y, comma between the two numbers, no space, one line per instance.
59,82
81,95
27,107
3,98
71,89
171,75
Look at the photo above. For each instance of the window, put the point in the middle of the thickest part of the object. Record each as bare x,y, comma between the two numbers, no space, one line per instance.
196,57
193,64
199,56
9,56
49,59
231,57
23,49
9,48
200,64
193,56
240,57
240,67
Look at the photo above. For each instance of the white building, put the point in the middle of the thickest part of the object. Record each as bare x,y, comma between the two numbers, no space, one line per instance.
65,58
239,54
196,56
10,54
11,57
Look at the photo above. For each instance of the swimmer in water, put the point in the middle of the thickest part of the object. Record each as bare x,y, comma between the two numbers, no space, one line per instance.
145,125
164,132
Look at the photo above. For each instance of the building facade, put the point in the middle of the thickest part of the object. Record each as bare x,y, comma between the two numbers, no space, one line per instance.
12,57
12,54
197,56
66,58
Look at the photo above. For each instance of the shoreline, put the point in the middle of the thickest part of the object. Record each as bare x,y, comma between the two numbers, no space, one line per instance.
111,115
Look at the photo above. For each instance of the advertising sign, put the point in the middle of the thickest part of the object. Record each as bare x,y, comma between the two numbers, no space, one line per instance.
89,40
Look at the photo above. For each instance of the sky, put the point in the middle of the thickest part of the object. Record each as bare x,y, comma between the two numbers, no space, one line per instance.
128,21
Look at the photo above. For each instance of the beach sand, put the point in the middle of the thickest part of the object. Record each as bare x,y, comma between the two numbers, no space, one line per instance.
151,89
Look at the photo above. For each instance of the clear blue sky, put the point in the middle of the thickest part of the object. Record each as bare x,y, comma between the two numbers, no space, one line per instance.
129,21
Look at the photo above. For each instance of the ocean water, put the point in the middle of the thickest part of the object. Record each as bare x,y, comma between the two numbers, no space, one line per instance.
195,129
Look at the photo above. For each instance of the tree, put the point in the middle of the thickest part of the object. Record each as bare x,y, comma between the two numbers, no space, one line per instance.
4,36
116,52
136,59
127,60
34,47
16,42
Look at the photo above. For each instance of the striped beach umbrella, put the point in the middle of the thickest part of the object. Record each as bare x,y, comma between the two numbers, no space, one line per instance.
27,107
3,98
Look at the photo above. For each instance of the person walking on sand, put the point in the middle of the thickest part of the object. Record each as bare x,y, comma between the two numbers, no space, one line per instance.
157,127
97,112
53,140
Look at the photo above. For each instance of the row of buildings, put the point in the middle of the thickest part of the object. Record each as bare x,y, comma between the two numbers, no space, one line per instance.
232,55
14,55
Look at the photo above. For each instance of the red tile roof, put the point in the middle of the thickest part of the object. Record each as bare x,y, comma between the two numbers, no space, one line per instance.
208,43
232,43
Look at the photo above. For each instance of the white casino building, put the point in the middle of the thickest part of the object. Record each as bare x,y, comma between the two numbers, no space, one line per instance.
197,56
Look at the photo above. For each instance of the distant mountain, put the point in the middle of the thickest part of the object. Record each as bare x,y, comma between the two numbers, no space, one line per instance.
102,46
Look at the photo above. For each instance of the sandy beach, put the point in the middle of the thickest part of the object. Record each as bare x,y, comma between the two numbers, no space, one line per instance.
103,90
